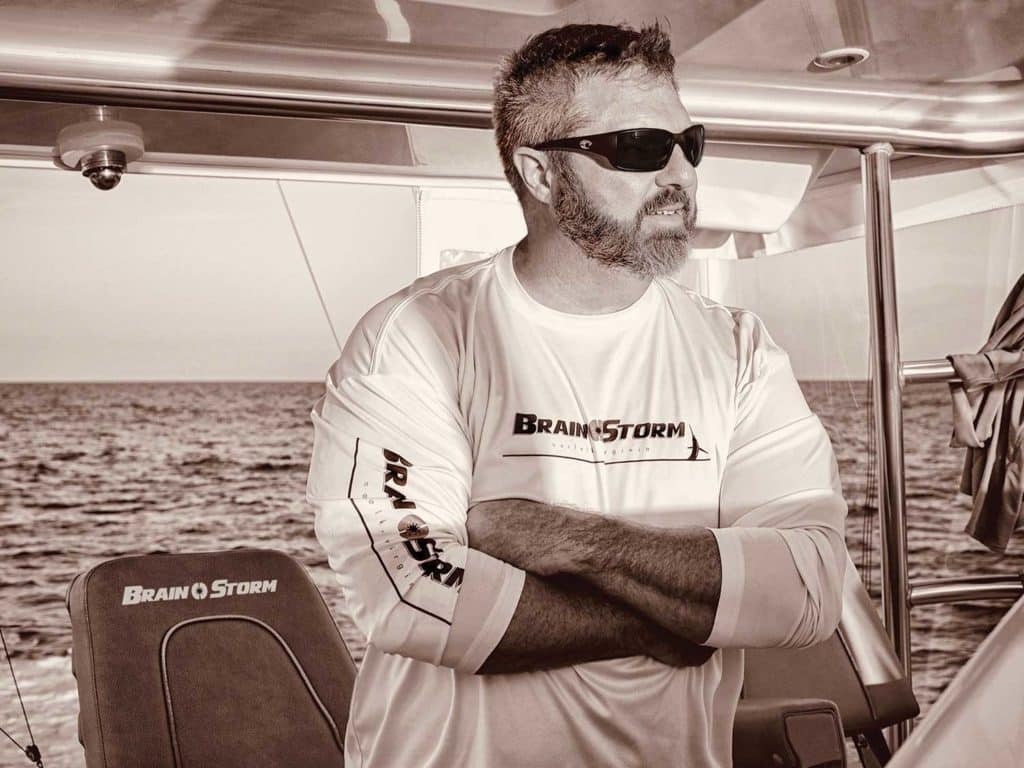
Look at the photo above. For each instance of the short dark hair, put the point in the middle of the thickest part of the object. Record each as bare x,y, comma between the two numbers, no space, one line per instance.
535,86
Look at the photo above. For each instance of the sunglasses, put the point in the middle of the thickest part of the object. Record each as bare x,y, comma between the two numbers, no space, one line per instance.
635,149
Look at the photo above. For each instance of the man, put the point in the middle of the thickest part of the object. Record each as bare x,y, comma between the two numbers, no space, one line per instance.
560,491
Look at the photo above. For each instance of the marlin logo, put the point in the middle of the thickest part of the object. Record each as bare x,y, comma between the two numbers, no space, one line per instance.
136,593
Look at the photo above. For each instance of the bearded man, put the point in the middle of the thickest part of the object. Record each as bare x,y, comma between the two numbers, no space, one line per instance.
561,492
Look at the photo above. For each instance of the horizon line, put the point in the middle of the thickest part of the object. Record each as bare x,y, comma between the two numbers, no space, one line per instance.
160,381
271,381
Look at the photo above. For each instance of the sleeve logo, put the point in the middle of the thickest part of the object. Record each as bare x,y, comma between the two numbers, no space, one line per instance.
414,528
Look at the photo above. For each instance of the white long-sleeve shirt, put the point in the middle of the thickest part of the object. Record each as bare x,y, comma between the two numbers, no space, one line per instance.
673,411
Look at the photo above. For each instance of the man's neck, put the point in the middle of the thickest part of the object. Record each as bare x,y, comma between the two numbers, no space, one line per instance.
556,273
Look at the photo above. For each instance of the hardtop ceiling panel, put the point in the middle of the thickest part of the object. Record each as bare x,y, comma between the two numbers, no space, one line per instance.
908,40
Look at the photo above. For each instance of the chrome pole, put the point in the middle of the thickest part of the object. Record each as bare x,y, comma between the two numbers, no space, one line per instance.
928,371
887,388
945,591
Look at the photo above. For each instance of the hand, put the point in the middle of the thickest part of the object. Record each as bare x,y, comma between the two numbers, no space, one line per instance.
665,647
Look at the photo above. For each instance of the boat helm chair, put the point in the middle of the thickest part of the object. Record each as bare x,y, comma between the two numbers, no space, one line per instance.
856,668
227,658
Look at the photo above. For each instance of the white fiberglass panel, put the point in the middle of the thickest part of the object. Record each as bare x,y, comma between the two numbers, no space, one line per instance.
172,278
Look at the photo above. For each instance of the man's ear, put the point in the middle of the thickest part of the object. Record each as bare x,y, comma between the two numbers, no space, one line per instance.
535,171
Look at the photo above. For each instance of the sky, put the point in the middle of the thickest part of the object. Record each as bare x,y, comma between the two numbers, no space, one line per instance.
174,277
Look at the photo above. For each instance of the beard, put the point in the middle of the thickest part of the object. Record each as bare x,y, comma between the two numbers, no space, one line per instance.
619,244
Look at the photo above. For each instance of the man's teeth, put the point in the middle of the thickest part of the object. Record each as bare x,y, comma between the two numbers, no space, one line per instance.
668,213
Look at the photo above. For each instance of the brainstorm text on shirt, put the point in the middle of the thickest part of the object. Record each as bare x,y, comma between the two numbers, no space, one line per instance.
607,430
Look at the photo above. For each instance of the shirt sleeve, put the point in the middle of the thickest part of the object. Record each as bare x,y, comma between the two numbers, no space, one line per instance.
782,510
390,479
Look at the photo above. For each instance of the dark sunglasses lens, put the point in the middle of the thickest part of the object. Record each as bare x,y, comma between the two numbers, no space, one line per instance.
643,150
693,144
650,149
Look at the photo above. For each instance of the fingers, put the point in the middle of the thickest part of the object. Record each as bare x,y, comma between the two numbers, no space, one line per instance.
682,654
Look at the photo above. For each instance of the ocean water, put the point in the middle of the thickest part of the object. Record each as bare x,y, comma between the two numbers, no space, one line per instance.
93,471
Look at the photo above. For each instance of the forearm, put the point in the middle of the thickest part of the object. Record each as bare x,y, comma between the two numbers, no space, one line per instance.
562,620
671,576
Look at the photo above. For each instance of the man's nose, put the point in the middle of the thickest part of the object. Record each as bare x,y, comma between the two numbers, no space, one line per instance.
678,172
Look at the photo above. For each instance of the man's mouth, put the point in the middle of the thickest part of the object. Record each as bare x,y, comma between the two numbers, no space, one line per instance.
667,211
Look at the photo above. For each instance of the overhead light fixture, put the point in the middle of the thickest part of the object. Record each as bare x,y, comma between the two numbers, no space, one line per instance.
839,58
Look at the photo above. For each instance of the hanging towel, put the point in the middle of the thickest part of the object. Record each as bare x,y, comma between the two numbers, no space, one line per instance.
988,419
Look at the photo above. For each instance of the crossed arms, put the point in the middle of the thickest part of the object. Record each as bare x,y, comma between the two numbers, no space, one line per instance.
518,586
598,588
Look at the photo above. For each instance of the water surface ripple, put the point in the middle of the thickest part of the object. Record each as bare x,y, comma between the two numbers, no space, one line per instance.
93,471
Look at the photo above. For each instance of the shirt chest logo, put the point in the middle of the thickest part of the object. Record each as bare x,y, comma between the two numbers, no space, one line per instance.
602,431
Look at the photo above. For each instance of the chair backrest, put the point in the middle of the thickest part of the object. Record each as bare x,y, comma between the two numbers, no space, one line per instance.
215,658
856,668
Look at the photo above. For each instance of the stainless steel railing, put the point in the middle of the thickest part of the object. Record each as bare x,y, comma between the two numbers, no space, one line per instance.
887,391
933,591
888,379
926,371
452,88
888,382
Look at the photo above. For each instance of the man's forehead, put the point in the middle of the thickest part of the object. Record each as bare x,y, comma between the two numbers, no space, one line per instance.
628,101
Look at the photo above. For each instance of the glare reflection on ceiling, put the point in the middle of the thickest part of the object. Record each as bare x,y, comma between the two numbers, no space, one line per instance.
79,56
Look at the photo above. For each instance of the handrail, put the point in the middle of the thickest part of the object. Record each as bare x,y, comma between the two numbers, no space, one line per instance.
926,371
914,118
936,591
429,87
886,388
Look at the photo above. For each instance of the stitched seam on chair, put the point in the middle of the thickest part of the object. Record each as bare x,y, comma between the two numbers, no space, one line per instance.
338,739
